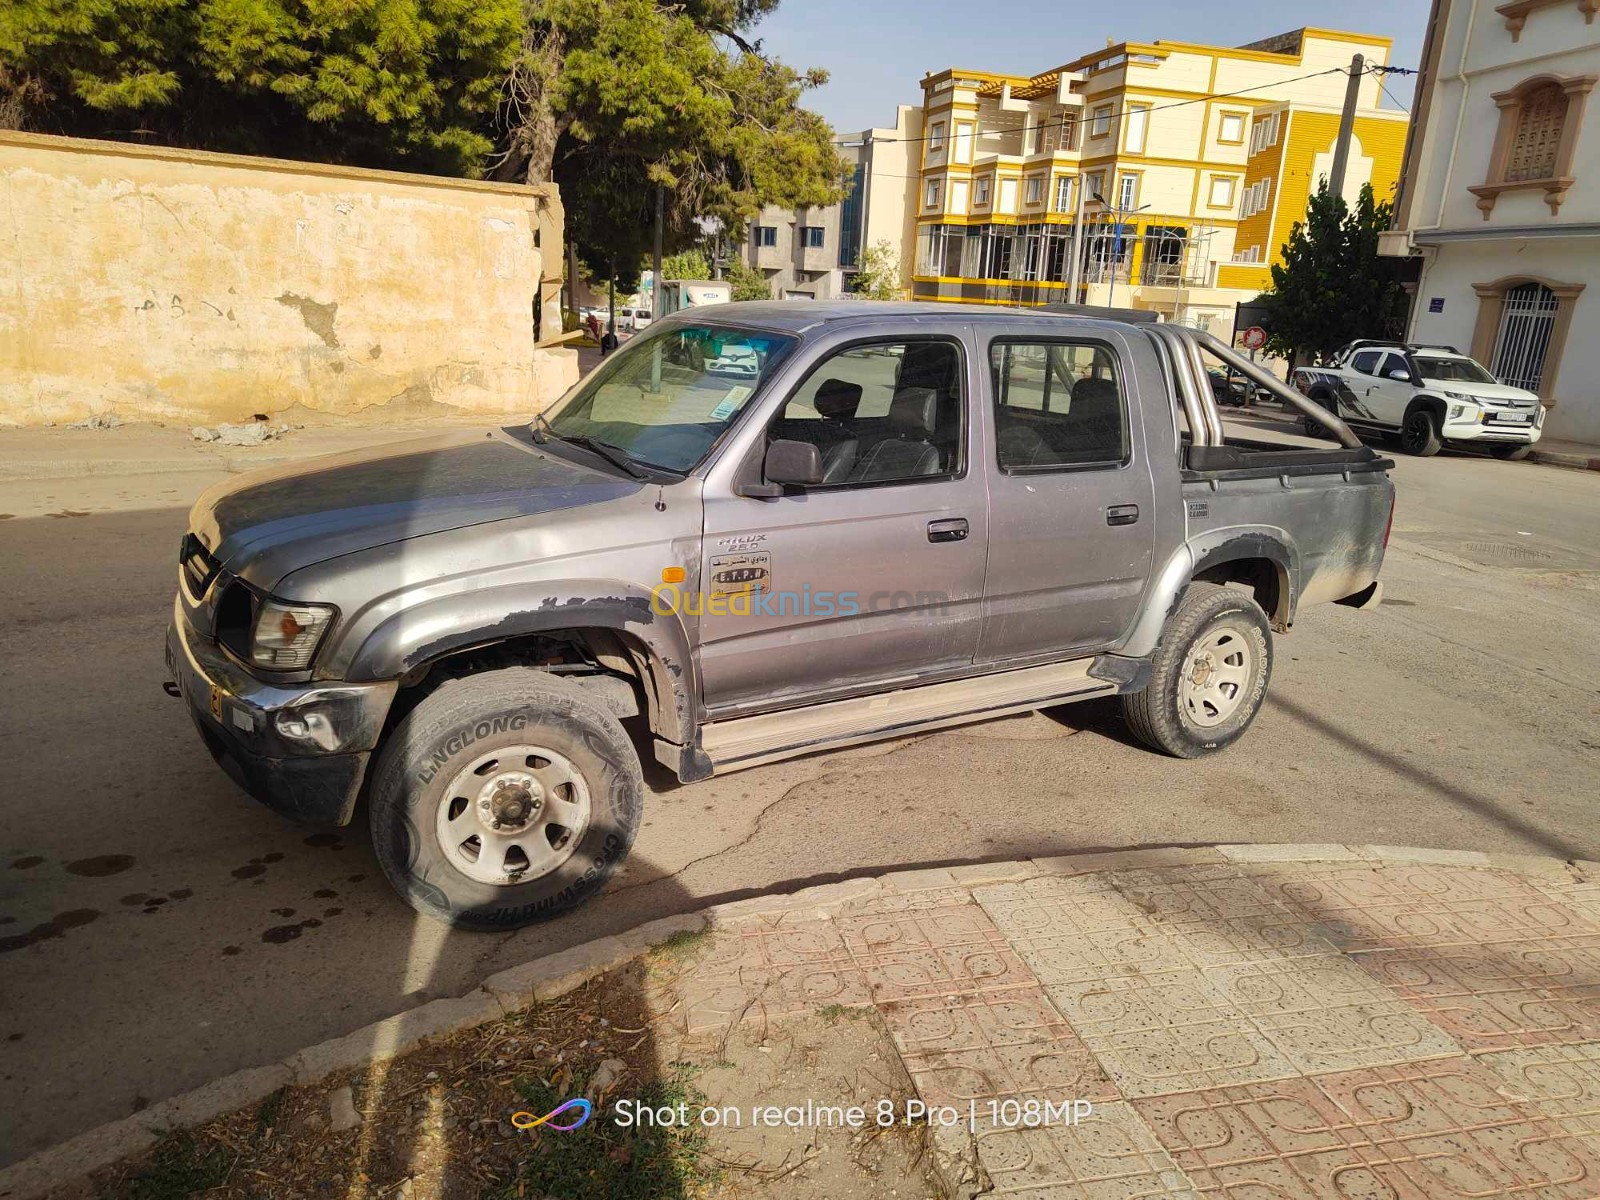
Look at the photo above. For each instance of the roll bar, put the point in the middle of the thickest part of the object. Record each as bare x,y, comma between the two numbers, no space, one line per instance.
1182,348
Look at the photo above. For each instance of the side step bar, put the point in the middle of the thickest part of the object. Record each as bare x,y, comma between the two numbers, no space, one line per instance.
751,741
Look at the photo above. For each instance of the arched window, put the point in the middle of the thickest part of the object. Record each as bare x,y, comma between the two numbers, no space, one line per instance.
1534,143
1522,330
1533,147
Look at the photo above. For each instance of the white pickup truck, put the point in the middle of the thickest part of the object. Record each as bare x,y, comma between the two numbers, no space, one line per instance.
1432,396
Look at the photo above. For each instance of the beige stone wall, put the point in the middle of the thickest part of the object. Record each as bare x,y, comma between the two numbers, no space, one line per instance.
171,285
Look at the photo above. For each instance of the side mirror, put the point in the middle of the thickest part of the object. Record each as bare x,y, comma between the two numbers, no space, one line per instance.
1402,376
793,462
786,463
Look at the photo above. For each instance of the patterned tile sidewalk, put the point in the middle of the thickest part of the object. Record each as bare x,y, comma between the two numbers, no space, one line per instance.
1247,1022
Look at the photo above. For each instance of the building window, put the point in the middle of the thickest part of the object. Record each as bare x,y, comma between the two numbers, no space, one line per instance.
852,214
1127,192
1221,192
1522,329
1035,190
1134,127
980,191
1100,121
1534,142
811,236
963,146
1063,193
1250,254
930,196
766,235
1256,197
1231,131
1094,183
936,136
1264,133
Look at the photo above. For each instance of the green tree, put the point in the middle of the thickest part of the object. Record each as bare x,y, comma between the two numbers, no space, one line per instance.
1332,285
686,264
615,98
402,83
878,272
609,98
748,282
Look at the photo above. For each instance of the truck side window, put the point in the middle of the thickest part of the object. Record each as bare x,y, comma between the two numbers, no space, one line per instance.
1366,361
880,412
1057,404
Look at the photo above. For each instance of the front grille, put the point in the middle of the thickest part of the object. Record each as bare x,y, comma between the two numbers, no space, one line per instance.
198,566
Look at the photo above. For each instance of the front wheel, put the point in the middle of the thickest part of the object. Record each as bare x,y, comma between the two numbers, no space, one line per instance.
1208,676
1514,452
1420,434
504,798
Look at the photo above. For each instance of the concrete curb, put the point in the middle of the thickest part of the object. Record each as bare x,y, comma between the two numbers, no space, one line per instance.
1556,458
556,974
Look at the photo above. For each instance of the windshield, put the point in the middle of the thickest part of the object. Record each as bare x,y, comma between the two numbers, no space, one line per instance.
667,396
1452,370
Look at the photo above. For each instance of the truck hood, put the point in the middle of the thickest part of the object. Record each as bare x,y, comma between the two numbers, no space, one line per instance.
1495,393
265,524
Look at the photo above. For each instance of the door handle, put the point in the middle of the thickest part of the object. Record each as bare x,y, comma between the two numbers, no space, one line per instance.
1122,514
953,530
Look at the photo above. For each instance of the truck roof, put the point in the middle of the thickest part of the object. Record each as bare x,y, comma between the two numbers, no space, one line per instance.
801,316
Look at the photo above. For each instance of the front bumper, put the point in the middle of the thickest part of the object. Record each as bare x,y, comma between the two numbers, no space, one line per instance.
1491,431
300,749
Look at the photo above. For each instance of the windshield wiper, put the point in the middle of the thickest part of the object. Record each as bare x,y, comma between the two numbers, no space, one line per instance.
541,430
614,455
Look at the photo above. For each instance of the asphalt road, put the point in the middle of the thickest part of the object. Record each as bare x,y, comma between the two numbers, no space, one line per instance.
158,930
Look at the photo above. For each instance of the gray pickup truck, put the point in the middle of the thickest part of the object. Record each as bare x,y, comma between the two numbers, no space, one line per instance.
758,531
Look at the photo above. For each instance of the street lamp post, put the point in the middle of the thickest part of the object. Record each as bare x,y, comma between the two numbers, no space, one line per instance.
1118,213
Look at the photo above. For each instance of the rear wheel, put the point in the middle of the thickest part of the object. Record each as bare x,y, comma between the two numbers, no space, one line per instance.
1515,452
1208,676
504,798
1420,434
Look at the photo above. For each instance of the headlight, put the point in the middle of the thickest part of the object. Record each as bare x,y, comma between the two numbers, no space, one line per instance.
286,635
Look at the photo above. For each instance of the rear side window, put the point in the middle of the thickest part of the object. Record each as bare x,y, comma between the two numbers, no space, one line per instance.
1057,404
1367,361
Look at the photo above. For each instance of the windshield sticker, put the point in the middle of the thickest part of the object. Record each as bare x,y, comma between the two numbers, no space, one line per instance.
741,574
731,402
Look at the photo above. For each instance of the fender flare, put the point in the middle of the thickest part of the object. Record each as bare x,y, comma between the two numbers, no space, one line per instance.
482,616
1231,543
1433,404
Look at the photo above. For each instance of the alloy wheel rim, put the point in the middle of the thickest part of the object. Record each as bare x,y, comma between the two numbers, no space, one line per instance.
513,815
1215,676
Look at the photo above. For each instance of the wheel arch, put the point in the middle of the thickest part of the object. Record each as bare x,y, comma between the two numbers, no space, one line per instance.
615,622
1264,556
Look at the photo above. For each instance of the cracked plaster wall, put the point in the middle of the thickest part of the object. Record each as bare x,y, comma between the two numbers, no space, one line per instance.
177,285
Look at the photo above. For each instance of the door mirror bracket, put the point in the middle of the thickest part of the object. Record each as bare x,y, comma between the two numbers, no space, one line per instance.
787,463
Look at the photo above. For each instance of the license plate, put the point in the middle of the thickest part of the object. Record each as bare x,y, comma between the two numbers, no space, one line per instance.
1510,418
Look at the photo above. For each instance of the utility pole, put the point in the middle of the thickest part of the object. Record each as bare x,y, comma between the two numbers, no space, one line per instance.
1347,125
655,268
1074,274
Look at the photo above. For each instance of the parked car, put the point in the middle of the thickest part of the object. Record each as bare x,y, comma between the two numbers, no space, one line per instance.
1229,389
1432,396
911,516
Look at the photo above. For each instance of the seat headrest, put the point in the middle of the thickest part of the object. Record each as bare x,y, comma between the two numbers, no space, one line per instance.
1098,392
837,399
914,412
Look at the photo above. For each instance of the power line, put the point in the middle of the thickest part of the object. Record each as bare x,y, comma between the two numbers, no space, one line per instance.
1379,72
1116,112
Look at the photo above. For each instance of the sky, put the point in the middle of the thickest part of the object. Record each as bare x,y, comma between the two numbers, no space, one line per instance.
877,51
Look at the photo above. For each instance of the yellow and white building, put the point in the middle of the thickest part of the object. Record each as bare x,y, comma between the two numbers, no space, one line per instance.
1163,134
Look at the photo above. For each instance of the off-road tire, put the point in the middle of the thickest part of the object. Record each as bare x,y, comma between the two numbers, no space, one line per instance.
1512,452
1419,434
458,723
1156,716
